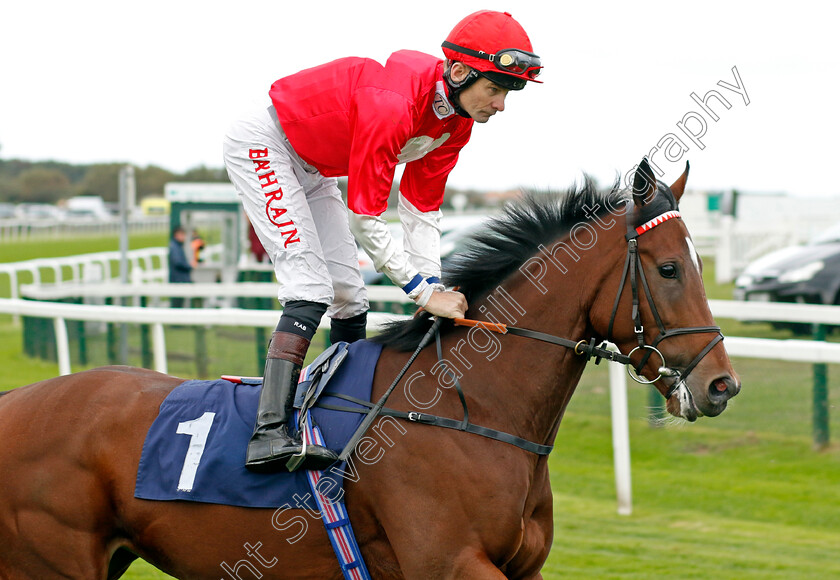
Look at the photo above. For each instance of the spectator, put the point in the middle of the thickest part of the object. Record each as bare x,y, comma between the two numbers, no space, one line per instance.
179,267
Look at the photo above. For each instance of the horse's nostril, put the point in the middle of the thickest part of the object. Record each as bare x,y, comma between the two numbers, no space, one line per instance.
722,389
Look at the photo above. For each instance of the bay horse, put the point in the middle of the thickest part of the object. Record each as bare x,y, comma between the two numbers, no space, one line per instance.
438,503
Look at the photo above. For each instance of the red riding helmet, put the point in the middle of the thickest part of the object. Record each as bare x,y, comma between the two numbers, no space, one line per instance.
496,46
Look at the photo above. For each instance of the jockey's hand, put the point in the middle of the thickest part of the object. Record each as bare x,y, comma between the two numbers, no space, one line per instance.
448,304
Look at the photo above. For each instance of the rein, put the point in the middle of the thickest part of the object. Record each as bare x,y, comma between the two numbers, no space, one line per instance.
580,347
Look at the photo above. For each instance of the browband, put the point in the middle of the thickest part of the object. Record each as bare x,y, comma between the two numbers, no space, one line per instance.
657,220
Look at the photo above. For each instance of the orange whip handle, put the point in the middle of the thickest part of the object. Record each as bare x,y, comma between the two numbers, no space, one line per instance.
491,326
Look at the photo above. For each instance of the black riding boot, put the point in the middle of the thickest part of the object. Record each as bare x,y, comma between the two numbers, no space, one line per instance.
348,329
271,446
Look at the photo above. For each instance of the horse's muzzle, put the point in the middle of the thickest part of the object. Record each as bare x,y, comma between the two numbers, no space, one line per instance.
690,405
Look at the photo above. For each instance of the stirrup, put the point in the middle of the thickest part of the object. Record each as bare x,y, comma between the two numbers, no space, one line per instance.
320,457
297,460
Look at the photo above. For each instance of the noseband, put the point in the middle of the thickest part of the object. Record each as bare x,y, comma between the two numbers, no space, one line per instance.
632,270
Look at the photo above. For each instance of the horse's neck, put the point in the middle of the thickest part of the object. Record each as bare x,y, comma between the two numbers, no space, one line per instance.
535,379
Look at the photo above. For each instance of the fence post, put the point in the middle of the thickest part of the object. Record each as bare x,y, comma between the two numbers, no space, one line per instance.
201,362
15,294
262,348
621,439
62,346
145,343
159,346
821,431
111,338
81,336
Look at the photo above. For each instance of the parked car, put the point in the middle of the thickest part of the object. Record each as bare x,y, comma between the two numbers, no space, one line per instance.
39,211
808,274
87,207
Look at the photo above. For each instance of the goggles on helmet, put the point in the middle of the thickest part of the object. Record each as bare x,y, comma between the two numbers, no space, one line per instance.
510,60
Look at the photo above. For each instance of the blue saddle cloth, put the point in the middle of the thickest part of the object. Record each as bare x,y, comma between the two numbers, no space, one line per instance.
195,449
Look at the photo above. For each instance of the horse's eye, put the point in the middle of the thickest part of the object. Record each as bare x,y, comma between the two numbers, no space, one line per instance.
668,271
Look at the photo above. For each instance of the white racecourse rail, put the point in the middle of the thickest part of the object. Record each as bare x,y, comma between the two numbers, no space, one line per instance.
792,350
145,265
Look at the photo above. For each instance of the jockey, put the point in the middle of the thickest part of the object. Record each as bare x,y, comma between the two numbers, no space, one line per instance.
354,117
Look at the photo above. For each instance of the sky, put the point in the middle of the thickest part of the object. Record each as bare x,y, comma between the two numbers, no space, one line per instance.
159,82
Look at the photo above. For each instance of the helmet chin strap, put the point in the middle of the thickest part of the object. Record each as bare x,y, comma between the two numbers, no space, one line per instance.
454,89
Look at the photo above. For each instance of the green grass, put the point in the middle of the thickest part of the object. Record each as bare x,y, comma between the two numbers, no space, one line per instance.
740,496
743,495
19,251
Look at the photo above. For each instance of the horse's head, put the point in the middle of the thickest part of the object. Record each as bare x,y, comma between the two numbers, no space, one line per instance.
661,316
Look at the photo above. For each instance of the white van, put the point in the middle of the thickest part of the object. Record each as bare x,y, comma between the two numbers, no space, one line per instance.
91,207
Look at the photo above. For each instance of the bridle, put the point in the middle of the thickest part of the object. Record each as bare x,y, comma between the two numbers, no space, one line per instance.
634,272
633,268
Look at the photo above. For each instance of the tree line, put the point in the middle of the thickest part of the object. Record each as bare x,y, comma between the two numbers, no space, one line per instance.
24,181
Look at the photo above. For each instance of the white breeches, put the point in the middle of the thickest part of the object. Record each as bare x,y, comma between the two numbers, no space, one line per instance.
298,215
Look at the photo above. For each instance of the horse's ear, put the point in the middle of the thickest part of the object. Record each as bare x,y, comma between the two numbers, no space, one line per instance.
679,185
644,184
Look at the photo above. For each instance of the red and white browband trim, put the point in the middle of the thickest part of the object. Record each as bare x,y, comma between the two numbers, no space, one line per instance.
656,221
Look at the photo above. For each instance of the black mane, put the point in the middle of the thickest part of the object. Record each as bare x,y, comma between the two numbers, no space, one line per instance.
506,243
